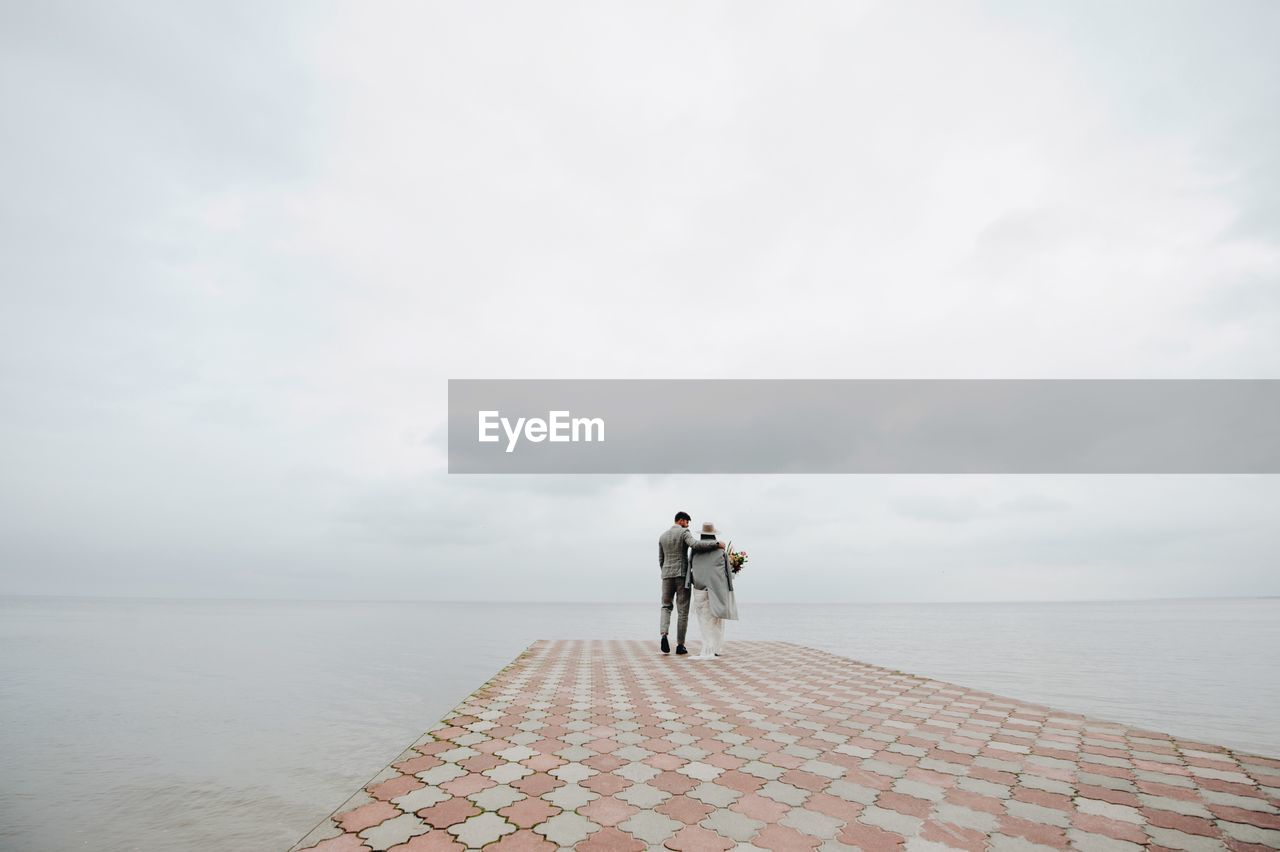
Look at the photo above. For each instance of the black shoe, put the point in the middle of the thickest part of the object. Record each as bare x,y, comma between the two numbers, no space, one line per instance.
666,646
680,649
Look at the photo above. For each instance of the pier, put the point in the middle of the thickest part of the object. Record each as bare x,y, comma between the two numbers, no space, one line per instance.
609,745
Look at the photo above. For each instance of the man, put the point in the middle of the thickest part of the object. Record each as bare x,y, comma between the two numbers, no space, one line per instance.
673,562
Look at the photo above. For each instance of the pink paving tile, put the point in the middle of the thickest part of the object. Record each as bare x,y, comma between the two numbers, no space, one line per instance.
606,784
448,813
1152,788
928,776
1227,787
869,779
366,816
954,836
480,763
537,784
995,776
1059,754
723,761
468,784
1149,765
1112,771
674,782
544,762
833,806
610,840
761,808
605,762
1259,819
665,761
491,746
527,813
1180,822
975,801
1269,762
1057,773
869,744
1036,832
904,804
783,839
607,810
848,761
957,757
450,732
1032,795
740,781
686,810
1107,827
786,761
805,780
389,790
418,764
1115,797
870,838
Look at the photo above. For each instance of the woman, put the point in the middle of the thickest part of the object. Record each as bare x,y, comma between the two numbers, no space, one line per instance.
713,600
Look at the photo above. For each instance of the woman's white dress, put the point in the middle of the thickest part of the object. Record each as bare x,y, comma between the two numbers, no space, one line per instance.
710,628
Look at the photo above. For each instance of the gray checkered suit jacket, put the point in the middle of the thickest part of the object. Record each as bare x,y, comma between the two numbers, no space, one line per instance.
673,550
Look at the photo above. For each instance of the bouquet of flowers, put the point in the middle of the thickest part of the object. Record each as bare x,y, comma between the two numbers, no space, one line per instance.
737,558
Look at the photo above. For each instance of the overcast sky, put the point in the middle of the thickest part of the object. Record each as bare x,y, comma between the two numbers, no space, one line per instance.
244,247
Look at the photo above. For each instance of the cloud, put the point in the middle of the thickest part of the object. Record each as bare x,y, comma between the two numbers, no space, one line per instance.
245,248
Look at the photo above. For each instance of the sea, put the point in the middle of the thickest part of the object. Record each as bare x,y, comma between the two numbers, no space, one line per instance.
148,724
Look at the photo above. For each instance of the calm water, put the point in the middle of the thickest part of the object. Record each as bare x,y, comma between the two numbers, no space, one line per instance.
163,725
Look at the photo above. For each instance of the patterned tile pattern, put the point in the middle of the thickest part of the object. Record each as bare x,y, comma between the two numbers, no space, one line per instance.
595,745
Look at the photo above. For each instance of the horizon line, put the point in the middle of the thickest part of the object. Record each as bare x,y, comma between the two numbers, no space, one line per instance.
630,602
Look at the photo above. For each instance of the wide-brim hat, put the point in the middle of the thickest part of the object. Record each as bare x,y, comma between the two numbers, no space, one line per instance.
709,528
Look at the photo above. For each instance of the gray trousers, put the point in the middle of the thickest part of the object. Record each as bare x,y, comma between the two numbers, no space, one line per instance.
674,589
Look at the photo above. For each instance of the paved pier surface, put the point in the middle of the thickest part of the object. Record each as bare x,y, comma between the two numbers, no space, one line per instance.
596,745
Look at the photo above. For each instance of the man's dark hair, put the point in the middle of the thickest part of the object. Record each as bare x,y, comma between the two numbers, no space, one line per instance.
683,516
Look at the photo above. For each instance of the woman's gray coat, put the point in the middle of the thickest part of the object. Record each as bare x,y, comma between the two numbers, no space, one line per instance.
710,570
